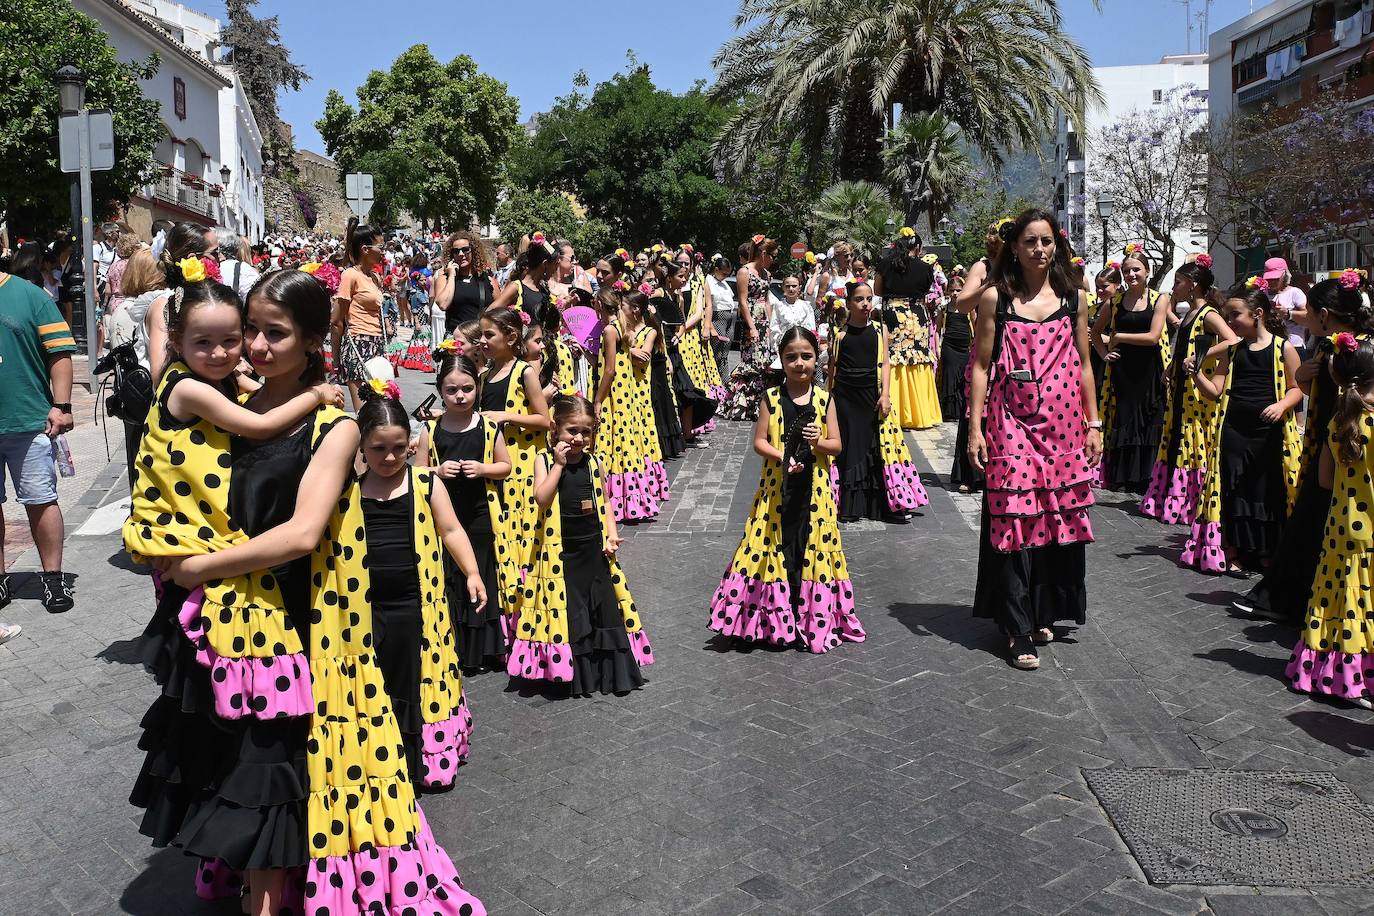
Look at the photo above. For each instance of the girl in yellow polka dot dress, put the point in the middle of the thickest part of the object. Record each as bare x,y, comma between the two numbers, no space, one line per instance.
180,505
1335,656
788,582
511,397
410,523
576,622
624,405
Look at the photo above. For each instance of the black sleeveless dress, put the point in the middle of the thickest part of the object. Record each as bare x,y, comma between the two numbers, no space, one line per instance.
471,296
855,390
602,659
481,640
1254,497
666,419
796,497
397,622
1138,387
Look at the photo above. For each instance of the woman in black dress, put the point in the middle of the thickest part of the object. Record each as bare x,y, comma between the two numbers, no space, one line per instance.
956,337
464,286
670,439
1129,336
528,287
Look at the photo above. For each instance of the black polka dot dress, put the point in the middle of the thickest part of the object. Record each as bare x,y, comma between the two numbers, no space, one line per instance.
1335,656
788,582
576,622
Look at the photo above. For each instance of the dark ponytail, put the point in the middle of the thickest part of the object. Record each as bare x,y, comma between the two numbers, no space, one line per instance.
1349,305
1353,370
355,237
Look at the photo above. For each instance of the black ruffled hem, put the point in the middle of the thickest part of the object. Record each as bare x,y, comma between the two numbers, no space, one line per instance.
603,663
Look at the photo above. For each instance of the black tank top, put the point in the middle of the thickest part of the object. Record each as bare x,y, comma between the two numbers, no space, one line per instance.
469,495
574,496
391,548
858,360
1252,380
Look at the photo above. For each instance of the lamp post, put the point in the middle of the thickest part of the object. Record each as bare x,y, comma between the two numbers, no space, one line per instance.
224,173
945,223
1106,203
891,225
78,274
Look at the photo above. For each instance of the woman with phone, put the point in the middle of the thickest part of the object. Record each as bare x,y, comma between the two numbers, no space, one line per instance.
464,285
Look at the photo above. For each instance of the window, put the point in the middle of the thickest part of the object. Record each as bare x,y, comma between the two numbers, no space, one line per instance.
1157,96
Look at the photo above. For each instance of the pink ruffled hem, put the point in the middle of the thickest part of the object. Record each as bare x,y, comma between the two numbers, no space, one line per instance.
1173,496
540,661
751,609
1333,673
640,648
1202,550
631,496
1025,504
758,611
444,747
418,878
826,616
271,687
658,480
1032,472
903,483
1010,533
215,879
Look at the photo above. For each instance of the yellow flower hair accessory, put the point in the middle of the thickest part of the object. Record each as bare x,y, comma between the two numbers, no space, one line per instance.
1004,221
907,232
1133,248
931,259
387,389
192,270
310,267
810,259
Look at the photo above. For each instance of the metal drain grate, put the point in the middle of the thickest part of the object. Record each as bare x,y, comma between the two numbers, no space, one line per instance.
1240,827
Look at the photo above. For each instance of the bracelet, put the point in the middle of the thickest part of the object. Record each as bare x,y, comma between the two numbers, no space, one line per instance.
65,408
1094,424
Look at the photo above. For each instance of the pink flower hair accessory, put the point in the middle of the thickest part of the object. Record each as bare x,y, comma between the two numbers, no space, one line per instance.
524,318
1203,260
620,286
1350,278
1257,283
1347,342
646,289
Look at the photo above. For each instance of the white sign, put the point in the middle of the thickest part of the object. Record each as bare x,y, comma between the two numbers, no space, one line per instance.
100,123
358,191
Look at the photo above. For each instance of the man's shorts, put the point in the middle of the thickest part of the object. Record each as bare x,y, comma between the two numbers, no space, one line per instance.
27,459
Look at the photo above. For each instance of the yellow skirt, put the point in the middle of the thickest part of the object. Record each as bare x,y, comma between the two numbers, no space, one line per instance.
915,402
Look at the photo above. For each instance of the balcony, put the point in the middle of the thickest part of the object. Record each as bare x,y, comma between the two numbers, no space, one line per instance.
188,191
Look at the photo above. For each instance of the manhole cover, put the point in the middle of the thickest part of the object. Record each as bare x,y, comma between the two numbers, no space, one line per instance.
1240,827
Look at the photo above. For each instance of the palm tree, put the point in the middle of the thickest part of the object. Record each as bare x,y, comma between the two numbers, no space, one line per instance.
830,73
925,165
858,212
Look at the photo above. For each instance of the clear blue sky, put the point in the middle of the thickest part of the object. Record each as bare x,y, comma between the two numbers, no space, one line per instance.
536,57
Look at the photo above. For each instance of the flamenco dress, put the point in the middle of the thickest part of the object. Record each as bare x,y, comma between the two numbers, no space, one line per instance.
1335,655
912,385
482,634
413,634
1132,403
702,300
749,379
955,345
576,622
689,361
1031,552
1253,471
874,475
788,583
1286,587
517,490
1190,425
622,437
666,419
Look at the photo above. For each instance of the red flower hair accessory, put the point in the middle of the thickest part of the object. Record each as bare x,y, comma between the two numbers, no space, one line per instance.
759,238
620,286
646,289
1203,260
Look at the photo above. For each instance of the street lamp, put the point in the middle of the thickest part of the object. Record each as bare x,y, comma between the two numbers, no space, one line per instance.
71,88
891,225
1106,203
224,175
945,223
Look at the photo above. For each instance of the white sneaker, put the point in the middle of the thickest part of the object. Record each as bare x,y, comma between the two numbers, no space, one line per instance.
8,632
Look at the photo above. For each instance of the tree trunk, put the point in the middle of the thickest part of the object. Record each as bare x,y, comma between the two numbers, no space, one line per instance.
861,145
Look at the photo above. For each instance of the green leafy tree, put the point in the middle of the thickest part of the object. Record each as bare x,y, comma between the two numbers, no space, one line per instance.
858,212
36,38
551,212
264,65
925,165
830,75
454,121
986,203
638,157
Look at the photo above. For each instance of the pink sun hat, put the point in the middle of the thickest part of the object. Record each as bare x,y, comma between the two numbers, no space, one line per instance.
1275,268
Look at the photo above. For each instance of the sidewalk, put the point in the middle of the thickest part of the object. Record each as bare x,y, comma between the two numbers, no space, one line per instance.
913,773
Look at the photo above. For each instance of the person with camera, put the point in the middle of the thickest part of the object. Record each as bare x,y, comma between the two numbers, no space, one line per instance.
36,409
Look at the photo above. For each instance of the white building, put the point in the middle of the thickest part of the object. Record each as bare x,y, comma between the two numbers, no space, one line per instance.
1125,89
208,124
1272,61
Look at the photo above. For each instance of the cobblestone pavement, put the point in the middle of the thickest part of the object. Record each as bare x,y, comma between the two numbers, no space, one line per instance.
914,773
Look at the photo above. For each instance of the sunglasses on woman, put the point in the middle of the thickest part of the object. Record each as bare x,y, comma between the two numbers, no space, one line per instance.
464,251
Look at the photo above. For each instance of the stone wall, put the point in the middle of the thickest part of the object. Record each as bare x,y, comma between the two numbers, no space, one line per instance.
320,178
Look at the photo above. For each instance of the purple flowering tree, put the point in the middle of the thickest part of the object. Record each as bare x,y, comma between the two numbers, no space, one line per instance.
1285,180
1154,162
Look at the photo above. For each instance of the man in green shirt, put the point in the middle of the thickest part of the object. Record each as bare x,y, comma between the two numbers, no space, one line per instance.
36,347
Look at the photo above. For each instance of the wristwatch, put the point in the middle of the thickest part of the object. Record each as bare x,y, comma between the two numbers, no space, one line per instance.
1094,424
65,408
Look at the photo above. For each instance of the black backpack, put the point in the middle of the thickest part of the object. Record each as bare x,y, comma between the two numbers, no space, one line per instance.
131,394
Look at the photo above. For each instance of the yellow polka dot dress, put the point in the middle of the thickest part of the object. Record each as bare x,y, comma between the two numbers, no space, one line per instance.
1190,426
654,470
761,599
576,622
416,641
623,436
517,491
1335,655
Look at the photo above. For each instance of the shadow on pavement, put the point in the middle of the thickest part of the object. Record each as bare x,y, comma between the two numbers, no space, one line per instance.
950,622
122,652
120,560
166,888
1335,730
1270,666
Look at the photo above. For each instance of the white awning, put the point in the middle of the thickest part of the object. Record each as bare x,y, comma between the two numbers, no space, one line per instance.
1274,34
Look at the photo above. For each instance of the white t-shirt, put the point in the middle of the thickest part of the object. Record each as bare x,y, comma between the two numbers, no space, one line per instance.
722,297
1291,297
785,317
